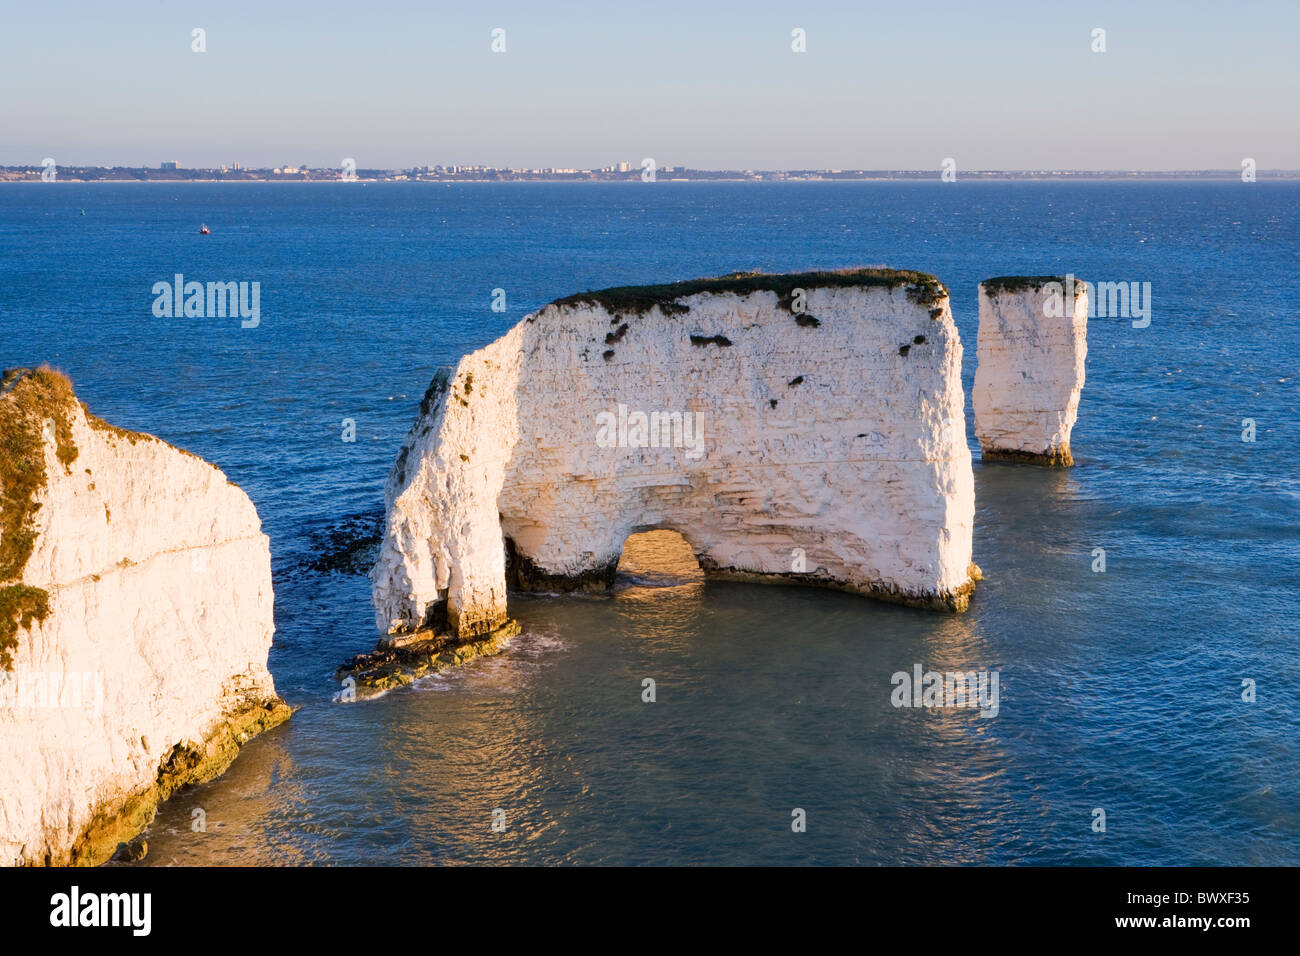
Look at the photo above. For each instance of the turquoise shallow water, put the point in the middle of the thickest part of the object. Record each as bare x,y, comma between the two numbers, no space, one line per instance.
1119,690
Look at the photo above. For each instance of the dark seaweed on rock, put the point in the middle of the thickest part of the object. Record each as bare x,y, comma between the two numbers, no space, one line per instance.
437,390
349,546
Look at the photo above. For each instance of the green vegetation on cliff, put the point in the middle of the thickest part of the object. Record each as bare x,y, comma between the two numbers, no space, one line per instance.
1009,285
921,287
30,402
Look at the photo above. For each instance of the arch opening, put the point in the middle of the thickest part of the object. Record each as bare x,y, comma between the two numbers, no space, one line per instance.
658,558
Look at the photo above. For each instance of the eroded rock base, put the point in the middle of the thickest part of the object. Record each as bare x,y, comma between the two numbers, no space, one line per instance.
401,658
1057,458
120,819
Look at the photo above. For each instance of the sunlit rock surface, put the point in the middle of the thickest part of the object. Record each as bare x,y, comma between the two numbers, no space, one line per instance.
1030,368
137,619
804,428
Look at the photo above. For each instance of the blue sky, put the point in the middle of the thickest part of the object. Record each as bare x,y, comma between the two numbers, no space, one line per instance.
1000,85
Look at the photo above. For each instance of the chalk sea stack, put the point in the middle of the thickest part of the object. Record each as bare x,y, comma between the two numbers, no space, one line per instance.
135,620
804,428
1030,367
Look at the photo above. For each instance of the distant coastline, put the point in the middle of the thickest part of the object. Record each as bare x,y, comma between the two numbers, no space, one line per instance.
470,174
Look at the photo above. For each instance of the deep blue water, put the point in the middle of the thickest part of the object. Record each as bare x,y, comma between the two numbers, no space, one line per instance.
1119,690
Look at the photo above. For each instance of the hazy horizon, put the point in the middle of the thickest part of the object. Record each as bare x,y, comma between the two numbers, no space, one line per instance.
75,164
584,85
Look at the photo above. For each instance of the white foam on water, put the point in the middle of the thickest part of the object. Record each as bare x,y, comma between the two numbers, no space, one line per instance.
522,656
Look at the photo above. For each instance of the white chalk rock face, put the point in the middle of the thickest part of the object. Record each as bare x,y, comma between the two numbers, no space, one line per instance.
1030,367
804,427
137,607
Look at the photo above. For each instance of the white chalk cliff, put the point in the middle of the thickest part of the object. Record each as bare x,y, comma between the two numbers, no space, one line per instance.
137,615
800,427
1030,367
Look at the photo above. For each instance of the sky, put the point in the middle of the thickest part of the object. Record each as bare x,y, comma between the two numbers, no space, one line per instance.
705,84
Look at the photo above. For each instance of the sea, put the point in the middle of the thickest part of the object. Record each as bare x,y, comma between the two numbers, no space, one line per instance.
1148,704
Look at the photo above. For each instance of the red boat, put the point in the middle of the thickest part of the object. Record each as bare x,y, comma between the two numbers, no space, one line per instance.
204,231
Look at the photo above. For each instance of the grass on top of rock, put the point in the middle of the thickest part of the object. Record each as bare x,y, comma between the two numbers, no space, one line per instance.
133,437
922,288
127,435
1005,285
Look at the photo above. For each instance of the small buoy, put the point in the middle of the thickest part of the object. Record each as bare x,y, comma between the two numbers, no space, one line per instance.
83,212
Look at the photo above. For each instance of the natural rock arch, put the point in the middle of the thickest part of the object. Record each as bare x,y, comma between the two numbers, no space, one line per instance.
809,427
659,557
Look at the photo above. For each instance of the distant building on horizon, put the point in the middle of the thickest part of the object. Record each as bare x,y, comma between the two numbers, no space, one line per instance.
169,164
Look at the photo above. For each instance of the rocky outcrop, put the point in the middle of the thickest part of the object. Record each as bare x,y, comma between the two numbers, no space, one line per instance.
805,428
1030,366
135,620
